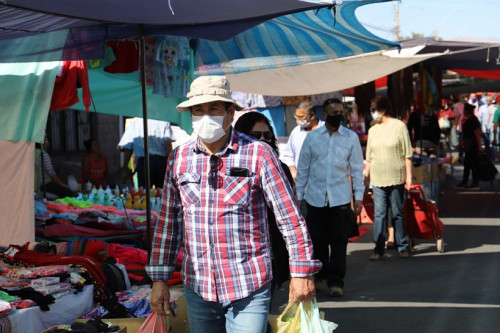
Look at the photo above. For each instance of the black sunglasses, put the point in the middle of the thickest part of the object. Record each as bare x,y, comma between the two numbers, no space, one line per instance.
257,135
213,175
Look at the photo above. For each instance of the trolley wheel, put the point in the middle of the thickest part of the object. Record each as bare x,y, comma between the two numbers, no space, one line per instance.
440,245
411,243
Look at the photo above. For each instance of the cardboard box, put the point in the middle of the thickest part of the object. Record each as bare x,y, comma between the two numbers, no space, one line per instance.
422,174
126,325
177,324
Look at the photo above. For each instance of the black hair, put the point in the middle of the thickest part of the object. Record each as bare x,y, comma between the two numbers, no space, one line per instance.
469,108
246,122
383,103
88,143
331,101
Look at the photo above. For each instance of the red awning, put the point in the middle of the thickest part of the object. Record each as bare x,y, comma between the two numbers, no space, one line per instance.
489,74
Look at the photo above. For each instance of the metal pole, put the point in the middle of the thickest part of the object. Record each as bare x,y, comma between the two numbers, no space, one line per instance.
142,66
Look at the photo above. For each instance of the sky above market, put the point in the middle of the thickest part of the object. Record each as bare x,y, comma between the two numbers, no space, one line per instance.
462,20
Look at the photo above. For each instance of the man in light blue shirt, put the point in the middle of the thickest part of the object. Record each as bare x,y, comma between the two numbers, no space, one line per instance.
330,169
160,139
306,122
486,113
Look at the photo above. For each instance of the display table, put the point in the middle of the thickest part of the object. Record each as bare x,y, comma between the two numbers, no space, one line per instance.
63,311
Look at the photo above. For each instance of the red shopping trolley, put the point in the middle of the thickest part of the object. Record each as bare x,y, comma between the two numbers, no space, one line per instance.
421,218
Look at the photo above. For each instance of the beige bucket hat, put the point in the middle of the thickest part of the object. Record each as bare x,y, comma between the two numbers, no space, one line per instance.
207,89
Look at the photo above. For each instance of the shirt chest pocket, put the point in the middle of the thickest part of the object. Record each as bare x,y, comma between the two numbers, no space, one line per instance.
342,150
238,190
189,187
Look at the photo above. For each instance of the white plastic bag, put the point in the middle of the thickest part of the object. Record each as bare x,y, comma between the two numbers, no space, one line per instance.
310,319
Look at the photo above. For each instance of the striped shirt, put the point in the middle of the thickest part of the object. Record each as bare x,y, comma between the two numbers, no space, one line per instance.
224,229
47,171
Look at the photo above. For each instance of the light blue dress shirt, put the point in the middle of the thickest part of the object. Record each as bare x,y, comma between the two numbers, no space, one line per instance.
325,163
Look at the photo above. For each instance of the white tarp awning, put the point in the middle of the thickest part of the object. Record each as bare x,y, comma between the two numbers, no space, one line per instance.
327,76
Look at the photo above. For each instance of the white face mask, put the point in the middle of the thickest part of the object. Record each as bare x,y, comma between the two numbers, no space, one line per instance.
208,128
375,115
303,123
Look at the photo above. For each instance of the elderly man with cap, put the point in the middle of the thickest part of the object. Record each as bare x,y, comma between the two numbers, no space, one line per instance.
217,188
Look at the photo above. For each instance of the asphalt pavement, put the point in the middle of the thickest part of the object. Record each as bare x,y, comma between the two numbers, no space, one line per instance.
455,291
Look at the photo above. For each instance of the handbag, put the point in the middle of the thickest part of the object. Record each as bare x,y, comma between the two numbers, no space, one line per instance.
486,170
153,324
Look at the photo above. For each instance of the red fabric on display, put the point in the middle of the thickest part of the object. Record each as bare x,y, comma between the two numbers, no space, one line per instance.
65,93
126,54
33,258
127,254
66,230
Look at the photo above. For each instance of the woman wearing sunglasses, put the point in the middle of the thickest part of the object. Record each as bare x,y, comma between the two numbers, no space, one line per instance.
257,125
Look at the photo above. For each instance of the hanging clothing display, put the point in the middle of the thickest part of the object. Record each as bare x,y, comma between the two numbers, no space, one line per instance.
126,54
71,75
172,64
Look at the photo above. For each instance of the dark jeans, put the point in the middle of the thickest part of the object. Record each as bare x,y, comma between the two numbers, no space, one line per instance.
329,228
470,166
382,196
157,170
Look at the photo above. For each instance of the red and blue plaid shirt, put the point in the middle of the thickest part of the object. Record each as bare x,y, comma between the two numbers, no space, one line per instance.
223,227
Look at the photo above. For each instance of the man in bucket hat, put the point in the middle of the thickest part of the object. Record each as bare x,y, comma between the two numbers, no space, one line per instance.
217,188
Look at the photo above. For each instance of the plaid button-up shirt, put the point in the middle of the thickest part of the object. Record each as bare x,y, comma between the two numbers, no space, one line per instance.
223,227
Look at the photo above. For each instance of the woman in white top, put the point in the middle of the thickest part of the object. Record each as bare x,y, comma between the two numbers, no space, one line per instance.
389,166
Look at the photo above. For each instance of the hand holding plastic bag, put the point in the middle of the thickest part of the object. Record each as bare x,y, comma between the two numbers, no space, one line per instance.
153,324
301,318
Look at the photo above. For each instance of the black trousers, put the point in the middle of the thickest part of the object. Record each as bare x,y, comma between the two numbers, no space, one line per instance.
329,228
470,166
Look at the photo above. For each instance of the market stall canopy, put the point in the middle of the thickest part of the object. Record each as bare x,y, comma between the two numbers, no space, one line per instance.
327,76
285,43
39,30
459,55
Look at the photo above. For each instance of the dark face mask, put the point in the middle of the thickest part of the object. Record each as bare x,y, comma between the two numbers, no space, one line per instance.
335,120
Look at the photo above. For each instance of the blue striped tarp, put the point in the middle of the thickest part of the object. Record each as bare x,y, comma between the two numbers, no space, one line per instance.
291,40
